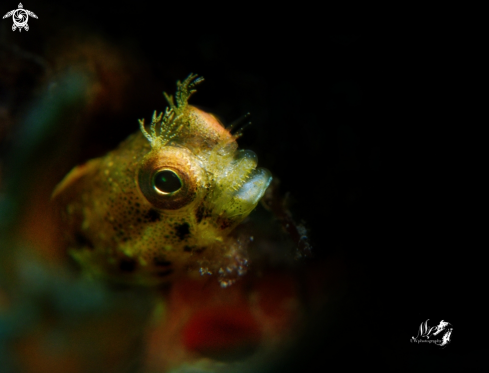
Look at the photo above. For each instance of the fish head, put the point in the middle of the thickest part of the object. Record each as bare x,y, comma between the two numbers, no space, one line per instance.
165,202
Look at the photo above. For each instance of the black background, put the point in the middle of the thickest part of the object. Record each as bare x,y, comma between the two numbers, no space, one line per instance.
376,133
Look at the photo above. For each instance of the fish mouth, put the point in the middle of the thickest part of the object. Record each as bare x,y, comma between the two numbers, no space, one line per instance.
251,191
246,186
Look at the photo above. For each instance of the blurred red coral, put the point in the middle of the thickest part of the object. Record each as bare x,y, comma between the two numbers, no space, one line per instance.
221,331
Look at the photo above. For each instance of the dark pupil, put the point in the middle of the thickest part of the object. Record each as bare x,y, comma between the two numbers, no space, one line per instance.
167,181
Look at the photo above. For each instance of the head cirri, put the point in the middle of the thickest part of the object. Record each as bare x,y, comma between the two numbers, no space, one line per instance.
163,204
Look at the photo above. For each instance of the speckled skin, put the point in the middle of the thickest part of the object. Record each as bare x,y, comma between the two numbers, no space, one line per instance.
116,225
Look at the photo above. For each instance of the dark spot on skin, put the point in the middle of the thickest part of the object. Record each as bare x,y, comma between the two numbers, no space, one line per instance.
196,250
83,241
127,265
225,223
159,261
152,215
199,215
182,230
164,273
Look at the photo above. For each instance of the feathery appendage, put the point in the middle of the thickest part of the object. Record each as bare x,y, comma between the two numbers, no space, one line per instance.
163,128
239,131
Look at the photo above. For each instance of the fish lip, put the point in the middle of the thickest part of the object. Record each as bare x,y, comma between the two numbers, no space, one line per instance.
247,196
243,185
262,178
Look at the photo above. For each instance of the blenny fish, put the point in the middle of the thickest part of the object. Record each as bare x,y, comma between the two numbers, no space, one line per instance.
165,202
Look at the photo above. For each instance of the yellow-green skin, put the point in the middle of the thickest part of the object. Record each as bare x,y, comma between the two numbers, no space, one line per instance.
117,225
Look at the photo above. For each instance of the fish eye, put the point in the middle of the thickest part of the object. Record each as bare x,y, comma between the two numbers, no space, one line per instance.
167,182
170,178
